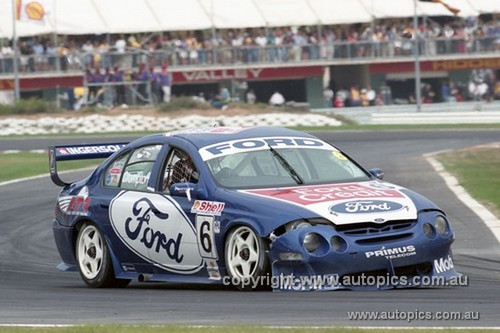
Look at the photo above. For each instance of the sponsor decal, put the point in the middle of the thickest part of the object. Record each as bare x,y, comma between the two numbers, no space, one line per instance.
307,195
115,171
76,205
207,207
252,144
442,265
393,253
94,149
347,203
206,244
365,206
143,154
138,178
213,270
217,227
155,227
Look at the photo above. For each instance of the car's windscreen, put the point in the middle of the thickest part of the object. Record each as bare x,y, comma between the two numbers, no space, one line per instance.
283,167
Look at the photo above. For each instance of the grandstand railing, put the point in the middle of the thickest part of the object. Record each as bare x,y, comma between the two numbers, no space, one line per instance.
177,57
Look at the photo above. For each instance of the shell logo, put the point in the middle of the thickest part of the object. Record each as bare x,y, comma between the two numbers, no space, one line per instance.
35,11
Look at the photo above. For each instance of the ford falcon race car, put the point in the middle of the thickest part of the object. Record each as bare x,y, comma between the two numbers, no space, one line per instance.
250,207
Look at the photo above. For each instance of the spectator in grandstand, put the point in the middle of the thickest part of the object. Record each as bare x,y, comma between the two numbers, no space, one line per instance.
142,76
328,97
341,97
371,95
164,77
192,46
117,77
156,88
328,42
120,45
364,98
445,92
63,53
251,97
39,55
88,49
221,100
51,53
428,94
354,96
261,41
26,58
299,41
6,58
277,99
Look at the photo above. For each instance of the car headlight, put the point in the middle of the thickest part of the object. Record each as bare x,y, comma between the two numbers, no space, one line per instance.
301,224
429,230
338,244
311,241
441,225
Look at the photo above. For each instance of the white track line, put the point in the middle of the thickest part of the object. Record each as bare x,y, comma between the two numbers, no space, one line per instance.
484,214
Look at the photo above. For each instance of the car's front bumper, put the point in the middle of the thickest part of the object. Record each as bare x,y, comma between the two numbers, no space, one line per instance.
400,259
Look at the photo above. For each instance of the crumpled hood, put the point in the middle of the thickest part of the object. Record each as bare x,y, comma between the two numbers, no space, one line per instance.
347,203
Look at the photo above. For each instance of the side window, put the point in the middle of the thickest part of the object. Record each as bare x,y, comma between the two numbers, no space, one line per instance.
114,172
179,169
133,171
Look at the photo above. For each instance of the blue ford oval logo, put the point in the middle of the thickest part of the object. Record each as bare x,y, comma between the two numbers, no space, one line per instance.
365,206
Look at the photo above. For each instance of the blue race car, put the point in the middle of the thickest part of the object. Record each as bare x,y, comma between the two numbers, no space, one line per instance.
248,207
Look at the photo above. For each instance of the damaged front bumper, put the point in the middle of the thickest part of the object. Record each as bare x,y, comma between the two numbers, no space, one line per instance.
321,258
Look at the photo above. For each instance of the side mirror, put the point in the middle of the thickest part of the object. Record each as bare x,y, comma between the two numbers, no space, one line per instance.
377,173
187,190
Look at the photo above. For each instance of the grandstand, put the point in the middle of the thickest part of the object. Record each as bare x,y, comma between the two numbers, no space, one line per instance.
296,46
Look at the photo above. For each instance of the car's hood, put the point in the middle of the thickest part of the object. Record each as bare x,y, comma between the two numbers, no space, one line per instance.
347,203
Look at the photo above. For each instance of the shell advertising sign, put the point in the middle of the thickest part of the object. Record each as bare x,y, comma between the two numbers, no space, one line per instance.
34,11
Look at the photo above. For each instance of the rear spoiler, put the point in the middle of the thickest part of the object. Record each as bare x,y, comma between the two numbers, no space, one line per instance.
79,152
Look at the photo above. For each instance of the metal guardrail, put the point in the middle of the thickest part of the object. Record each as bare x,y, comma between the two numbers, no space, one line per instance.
182,57
436,113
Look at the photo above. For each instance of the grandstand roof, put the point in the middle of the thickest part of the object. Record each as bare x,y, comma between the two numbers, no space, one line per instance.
131,16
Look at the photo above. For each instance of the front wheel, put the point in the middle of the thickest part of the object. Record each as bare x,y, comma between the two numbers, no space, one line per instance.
246,258
94,262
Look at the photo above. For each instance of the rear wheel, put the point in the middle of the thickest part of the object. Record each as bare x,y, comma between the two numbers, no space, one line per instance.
246,258
94,262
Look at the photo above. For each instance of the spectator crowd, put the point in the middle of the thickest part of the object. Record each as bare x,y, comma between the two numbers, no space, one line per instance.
105,57
384,38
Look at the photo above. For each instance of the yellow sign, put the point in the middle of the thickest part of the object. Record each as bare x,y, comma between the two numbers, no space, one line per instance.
465,64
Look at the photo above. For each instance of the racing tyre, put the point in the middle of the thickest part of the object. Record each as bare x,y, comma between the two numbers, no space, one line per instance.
94,262
246,258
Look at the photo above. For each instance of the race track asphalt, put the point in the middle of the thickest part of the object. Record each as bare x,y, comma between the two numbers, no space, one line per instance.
33,291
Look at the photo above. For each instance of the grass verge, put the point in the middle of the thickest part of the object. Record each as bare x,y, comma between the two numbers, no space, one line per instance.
477,170
21,165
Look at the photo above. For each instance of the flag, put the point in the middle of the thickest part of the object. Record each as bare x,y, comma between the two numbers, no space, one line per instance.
33,11
454,10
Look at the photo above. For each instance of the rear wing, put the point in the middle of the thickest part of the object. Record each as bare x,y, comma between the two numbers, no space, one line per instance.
79,152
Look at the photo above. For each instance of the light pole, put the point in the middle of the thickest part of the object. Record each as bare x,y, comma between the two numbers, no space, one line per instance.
416,51
16,54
